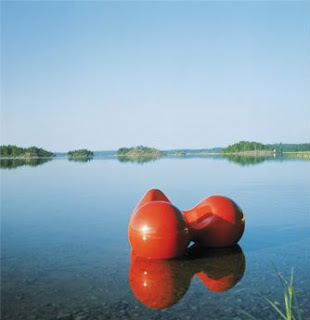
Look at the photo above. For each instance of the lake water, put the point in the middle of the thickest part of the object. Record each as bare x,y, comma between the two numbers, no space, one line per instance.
66,255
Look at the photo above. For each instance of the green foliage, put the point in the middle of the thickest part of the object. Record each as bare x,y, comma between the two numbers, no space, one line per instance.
291,306
244,146
139,151
292,310
11,151
81,153
284,147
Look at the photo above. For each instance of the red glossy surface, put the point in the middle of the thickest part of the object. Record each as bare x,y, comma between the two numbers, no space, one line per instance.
151,195
159,284
216,221
158,230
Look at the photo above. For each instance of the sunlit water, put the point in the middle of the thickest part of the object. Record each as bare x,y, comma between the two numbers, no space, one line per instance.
66,255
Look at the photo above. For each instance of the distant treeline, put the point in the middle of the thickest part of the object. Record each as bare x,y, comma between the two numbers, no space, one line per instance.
139,151
249,148
245,146
184,152
11,151
81,153
287,147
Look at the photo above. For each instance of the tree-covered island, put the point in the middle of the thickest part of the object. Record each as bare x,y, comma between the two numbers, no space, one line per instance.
139,152
80,154
12,151
249,148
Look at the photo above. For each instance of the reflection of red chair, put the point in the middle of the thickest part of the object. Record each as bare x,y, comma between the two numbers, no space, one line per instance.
222,267
217,285
158,230
159,284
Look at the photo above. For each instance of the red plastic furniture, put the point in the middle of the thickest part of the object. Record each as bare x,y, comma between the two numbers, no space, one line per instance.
159,230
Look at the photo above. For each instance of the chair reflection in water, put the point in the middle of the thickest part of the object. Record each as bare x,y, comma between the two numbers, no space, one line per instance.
159,284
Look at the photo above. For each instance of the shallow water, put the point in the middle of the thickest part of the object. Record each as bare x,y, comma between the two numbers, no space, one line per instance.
65,251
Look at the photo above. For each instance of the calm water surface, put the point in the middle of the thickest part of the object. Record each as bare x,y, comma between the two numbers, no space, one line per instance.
65,251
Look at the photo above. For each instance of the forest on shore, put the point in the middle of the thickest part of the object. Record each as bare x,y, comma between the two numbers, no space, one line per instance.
11,151
242,148
245,146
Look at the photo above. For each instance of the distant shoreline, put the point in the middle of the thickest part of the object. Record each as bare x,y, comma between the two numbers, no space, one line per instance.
252,153
302,154
240,149
26,158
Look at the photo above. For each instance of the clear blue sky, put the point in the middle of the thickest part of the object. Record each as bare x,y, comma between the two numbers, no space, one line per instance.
103,75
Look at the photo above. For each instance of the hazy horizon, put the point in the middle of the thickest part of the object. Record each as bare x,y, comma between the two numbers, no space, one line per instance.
169,75
130,146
